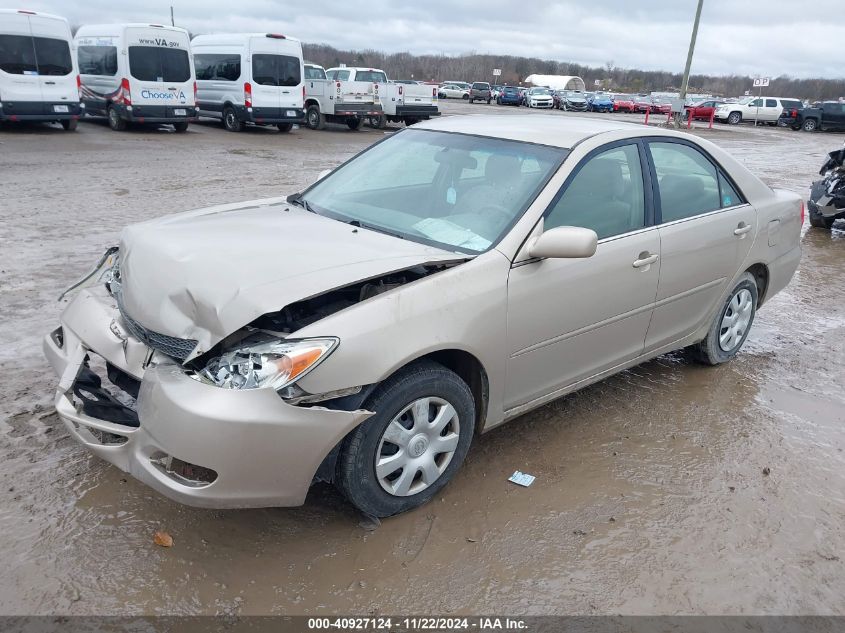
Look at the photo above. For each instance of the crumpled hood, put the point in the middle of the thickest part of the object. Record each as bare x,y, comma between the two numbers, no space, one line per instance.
204,274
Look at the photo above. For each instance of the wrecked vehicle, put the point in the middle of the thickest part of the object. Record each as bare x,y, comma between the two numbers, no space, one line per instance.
449,278
827,196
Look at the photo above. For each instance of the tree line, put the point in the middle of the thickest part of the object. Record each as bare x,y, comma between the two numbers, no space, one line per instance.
479,67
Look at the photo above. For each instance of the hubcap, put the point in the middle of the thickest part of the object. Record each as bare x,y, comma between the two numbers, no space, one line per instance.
417,446
735,320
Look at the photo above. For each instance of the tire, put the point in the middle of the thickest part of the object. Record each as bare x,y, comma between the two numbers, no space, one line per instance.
411,120
810,125
357,477
180,127
284,127
488,101
69,125
315,119
378,122
231,121
354,123
115,122
465,97
734,118
820,222
498,102
721,345
471,100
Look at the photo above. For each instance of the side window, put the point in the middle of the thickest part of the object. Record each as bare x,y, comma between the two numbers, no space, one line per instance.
757,103
728,194
97,60
771,103
217,67
605,195
686,179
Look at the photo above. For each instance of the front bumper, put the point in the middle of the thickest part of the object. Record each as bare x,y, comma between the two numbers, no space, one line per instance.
541,104
264,452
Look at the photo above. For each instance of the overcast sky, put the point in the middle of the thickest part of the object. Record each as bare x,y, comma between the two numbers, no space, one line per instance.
753,37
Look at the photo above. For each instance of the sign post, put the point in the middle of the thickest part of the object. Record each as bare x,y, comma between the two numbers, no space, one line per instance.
759,83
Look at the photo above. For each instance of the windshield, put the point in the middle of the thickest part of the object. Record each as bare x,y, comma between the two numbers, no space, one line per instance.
454,191
540,91
746,100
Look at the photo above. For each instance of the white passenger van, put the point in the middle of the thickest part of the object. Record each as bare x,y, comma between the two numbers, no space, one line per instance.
251,78
140,73
38,75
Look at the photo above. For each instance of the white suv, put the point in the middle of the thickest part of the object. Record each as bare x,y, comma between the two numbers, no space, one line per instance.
765,109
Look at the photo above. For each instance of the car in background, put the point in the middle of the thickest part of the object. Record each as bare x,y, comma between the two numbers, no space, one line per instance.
702,110
600,103
762,109
660,105
480,91
539,97
460,84
624,103
827,115
407,82
509,95
453,91
643,103
573,100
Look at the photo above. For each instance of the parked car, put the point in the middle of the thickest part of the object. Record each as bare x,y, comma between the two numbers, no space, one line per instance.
509,96
378,326
643,103
827,196
762,109
624,103
38,73
828,115
522,92
702,110
660,106
538,97
480,91
573,100
249,78
600,103
130,77
453,91
459,84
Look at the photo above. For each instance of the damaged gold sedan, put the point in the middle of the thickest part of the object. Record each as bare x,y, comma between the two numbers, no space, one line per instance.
449,278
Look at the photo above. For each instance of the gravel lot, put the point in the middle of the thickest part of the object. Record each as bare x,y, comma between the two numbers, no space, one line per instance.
650,496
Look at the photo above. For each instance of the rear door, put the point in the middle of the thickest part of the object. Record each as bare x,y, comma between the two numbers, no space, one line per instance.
56,67
706,231
161,68
772,110
19,81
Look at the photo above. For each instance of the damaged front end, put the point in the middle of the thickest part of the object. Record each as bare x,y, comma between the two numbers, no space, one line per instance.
827,196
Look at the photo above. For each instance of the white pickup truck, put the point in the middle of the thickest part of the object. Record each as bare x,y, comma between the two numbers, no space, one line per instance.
408,103
338,100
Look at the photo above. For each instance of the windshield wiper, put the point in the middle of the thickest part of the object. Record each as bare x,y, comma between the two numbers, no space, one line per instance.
376,228
298,200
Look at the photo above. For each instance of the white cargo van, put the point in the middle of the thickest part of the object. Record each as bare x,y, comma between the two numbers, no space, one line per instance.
249,78
139,73
38,75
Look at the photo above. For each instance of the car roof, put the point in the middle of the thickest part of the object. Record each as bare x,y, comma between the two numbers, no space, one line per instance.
543,129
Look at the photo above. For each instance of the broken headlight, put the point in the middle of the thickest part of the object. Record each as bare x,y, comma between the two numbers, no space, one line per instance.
274,364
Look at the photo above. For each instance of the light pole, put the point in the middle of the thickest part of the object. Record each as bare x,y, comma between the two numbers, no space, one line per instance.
685,82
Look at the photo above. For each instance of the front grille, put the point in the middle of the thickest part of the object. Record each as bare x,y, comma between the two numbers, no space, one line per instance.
178,348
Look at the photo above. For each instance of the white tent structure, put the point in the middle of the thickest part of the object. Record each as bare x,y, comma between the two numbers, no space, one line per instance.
556,82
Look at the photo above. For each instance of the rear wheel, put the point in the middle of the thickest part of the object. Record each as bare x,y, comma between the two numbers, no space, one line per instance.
411,447
734,118
315,119
465,97
69,124
181,126
231,121
410,120
378,122
284,127
810,125
354,123
115,122
731,325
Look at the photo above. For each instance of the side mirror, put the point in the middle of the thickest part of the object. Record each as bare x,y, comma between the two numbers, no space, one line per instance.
323,174
564,242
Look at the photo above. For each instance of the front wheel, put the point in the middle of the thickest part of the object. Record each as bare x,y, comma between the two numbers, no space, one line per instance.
731,325
315,119
411,447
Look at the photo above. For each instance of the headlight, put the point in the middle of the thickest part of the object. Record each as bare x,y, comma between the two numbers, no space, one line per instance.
274,364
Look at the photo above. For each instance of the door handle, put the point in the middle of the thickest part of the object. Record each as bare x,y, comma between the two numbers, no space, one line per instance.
742,228
645,259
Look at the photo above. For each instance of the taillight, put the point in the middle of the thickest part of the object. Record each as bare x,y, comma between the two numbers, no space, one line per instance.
195,93
434,93
802,213
303,93
400,90
247,94
79,86
794,114
126,93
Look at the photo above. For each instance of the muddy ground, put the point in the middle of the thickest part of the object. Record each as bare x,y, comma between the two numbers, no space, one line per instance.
650,495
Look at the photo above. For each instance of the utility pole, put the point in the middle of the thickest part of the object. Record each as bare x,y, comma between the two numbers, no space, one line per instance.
172,22
685,83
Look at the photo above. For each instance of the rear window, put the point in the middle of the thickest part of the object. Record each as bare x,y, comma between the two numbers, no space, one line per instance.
275,70
218,67
97,60
376,76
339,75
480,86
153,63
27,55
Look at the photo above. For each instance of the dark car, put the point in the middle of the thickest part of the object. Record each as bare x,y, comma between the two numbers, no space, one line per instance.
827,196
600,103
509,95
572,100
828,115
480,91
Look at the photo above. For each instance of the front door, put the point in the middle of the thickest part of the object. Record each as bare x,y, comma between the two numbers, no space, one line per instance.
569,319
